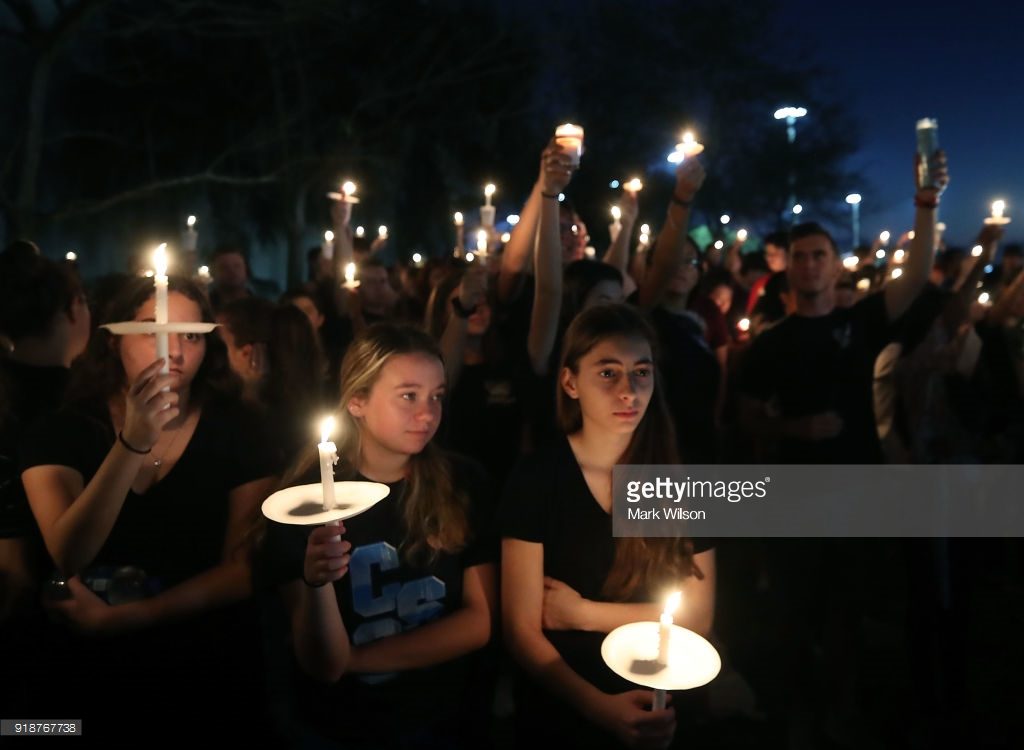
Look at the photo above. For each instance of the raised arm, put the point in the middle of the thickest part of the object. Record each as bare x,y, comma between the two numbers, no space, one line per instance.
555,173
518,253
900,293
471,293
617,255
74,518
668,250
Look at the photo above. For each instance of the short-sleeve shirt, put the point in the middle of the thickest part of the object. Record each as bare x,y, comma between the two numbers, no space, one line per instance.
176,529
386,593
547,501
809,365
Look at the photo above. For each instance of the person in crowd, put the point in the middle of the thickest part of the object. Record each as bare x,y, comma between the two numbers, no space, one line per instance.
375,299
275,352
566,581
387,608
44,316
231,276
142,488
484,418
806,385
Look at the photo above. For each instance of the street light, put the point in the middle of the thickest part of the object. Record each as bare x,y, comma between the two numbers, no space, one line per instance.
854,200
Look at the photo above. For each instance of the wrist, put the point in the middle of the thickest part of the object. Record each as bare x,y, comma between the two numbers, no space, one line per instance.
548,196
133,445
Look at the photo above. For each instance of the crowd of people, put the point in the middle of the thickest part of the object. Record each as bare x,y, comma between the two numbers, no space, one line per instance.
142,590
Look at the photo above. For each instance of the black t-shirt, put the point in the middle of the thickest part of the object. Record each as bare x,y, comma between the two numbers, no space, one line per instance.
26,393
484,417
176,529
808,365
384,594
547,501
690,375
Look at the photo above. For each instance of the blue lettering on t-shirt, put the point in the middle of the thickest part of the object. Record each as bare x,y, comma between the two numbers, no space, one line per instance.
394,607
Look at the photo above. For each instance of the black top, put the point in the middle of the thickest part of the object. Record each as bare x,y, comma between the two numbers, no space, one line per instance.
383,594
484,417
26,393
808,365
690,375
176,529
547,501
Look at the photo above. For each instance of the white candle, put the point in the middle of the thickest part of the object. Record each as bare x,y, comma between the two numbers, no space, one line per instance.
488,193
616,226
481,242
350,277
191,235
685,149
487,211
382,232
570,138
633,186
327,246
664,642
328,457
348,189
998,209
160,314
360,231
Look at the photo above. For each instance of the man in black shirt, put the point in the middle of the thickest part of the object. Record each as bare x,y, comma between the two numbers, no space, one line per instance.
805,391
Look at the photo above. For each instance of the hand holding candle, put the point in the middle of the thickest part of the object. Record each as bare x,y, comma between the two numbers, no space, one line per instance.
686,149
570,138
665,640
350,277
998,216
328,458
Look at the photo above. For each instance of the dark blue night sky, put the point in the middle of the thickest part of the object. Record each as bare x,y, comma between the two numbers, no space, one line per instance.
957,62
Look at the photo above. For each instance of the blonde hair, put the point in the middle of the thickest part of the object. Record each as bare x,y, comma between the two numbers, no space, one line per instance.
435,515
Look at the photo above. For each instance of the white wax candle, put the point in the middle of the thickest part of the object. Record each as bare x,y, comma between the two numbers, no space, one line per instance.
616,226
327,246
664,642
160,314
350,276
488,192
191,235
481,242
328,457
570,138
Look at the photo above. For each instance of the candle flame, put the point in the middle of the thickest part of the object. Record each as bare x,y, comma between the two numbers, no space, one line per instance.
382,231
880,253
326,428
71,255
634,185
911,234
897,272
512,219
348,188
884,236
505,237
672,602
742,235
616,213
489,189
688,137
417,258
481,241
470,257
998,209
160,259
983,298
204,271
360,231
350,272
458,218
863,285
851,262
644,238
898,255
976,250
744,324
329,235
191,221
645,228
719,245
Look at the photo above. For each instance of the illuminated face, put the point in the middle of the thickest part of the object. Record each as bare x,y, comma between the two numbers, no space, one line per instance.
402,411
721,295
614,384
775,257
813,266
185,351
573,233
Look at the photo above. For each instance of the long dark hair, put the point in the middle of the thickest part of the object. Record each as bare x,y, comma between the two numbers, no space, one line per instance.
435,515
639,561
33,289
98,374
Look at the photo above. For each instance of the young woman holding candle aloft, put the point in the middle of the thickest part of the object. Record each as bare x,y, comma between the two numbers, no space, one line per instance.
142,488
566,582
382,651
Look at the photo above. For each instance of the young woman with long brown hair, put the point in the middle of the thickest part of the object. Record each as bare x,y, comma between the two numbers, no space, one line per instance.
386,608
566,581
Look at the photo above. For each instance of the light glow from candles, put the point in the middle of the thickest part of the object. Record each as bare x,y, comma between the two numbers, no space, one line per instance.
976,251
360,231
512,219
505,237
348,188
645,228
160,262
561,197
329,236
71,255
850,262
897,272
880,254
470,257
911,234
382,232
742,235
616,213
417,258
983,298
570,138
481,241
458,218
204,272
191,222
744,324
350,273
489,190
884,236
898,255
634,185
719,245
328,457
797,209
160,311
326,429
863,285
725,218
998,209
687,148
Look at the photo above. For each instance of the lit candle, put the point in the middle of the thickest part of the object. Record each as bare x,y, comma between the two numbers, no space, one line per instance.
884,237
898,255
360,231
204,273
382,232
897,272
481,242
685,149
570,138
487,211
725,218
719,244
327,246
863,285
506,237
850,262
590,252
350,277
742,235
458,219
633,186
328,457
460,234
744,324
470,257
160,313
417,258
664,641
191,235
983,298
71,256
880,254
998,213
616,226
976,251
512,219
348,190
